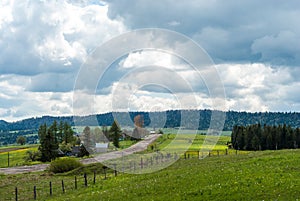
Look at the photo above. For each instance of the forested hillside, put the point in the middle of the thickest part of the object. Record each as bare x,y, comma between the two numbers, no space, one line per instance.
173,119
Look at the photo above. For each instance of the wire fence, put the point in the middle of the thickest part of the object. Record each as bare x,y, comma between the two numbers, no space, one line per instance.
43,189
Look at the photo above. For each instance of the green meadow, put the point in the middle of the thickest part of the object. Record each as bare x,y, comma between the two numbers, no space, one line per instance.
268,175
261,175
256,175
191,142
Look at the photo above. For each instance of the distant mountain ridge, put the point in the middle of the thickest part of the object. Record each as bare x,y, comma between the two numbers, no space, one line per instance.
173,118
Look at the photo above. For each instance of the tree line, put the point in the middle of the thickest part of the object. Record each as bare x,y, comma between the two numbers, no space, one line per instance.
257,137
173,119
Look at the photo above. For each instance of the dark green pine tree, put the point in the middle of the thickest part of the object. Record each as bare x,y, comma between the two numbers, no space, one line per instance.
48,143
115,133
234,136
297,133
53,129
60,132
68,134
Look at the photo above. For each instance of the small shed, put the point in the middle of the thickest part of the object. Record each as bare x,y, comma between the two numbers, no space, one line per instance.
101,147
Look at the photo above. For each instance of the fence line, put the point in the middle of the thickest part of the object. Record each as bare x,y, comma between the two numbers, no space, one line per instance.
58,187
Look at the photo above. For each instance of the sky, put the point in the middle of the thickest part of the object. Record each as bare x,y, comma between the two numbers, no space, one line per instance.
45,46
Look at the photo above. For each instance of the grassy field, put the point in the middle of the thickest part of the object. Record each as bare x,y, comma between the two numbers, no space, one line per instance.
268,175
264,175
16,155
174,130
196,142
261,175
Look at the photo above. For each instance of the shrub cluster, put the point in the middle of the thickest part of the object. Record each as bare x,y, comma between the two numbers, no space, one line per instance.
61,165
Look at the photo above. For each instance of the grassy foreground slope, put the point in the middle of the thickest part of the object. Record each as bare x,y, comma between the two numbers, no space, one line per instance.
267,175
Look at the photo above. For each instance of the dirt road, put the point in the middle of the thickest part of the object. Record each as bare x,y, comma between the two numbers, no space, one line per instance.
140,146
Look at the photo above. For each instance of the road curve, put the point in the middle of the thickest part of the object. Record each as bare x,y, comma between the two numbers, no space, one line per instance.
140,146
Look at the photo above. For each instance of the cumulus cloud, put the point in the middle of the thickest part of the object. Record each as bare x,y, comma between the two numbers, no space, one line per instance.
229,31
50,36
260,87
44,43
16,102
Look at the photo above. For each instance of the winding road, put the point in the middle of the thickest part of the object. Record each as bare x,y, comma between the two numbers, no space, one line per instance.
138,147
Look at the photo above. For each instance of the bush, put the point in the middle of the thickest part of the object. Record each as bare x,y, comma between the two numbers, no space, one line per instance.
61,165
32,156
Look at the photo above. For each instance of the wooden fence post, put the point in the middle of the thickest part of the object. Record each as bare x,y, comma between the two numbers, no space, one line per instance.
104,173
34,192
115,170
63,186
75,182
50,185
7,159
226,151
16,193
85,180
94,180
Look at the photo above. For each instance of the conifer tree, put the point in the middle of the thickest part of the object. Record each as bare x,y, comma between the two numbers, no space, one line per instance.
115,133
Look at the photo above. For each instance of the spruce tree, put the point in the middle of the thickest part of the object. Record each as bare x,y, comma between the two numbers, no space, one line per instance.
115,133
48,143
68,134
60,131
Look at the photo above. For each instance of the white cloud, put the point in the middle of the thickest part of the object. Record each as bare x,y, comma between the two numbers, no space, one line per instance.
259,87
43,44
50,36
18,103
151,58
